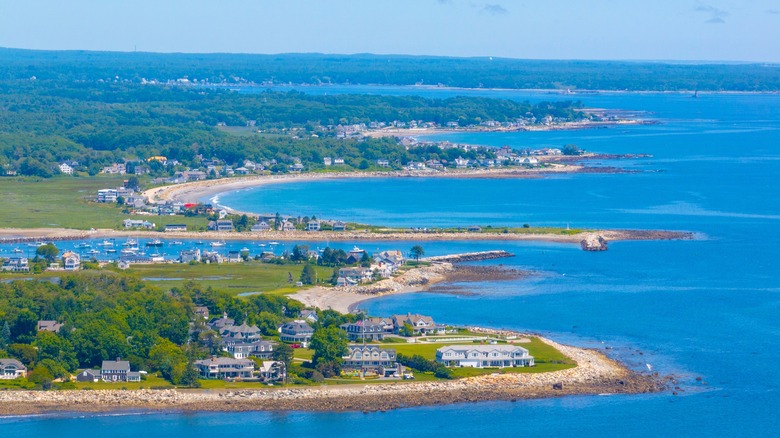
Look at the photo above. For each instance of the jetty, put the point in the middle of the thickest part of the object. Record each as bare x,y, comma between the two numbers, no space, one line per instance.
594,243
469,256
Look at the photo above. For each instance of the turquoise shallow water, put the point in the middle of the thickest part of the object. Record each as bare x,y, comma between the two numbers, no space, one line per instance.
708,308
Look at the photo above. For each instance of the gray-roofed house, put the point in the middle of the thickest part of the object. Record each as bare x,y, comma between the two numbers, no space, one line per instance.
261,226
49,326
225,368
371,357
309,315
484,356
114,370
12,369
242,331
366,329
219,323
202,311
297,332
88,376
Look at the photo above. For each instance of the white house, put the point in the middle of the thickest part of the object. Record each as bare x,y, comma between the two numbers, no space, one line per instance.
66,169
484,356
12,369
71,261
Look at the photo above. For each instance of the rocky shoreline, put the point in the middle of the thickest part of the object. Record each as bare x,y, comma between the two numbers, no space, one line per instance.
594,374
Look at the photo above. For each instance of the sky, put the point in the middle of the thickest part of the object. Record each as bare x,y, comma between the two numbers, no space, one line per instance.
683,30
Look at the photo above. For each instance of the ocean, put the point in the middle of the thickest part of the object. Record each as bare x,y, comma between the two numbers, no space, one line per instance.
707,308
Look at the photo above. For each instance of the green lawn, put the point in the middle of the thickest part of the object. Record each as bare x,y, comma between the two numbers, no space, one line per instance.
546,358
63,201
303,354
150,382
232,277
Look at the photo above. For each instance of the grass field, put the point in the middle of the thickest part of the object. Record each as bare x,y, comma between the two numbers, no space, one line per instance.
62,201
235,278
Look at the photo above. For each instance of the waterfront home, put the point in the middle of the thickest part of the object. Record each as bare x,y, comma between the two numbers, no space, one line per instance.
189,255
382,163
365,329
222,225
218,323
371,358
421,324
175,228
211,257
313,226
484,356
202,312
192,175
225,368
71,261
474,229
338,161
272,371
296,332
261,226
107,196
393,259
115,370
88,376
461,163
327,161
234,256
49,326
16,264
138,223
339,226
309,315
287,226
356,275
12,369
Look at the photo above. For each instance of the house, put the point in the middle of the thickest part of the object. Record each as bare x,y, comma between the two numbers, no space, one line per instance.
288,226
272,371
114,370
421,324
356,275
382,163
211,257
219,323
49,326
234,257
297,332
395,259
461,163
337,161
12,369
366,329
355,255
261,226
189,255
242,331
174,228
309,315
71,261
313,226
137,223
474,229
339,226
484,356
16,264
202,312
327,161
241,348
88,376
225,368
193,175
223,225
66,169
115,169
106,195
371,358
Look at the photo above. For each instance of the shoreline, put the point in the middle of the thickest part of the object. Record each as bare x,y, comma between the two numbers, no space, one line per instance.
595,374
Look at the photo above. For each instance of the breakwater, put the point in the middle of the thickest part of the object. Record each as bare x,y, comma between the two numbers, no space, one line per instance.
470,256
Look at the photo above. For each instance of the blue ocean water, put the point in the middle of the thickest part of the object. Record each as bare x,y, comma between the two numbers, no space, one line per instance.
706,308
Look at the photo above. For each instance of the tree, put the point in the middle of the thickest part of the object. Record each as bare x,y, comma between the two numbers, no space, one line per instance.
48,252
132,182
572,149
366,260
329,345
277,221
5,335
169,359
417,251
283,353
308,274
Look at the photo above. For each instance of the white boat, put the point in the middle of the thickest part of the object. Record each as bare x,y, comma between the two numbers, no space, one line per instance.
94,251
177,242
106,243
261,244
111,250
244,249
217,243
16,250
130,242
83,245
273,243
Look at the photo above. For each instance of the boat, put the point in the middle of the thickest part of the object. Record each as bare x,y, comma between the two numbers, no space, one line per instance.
154,242
94,251
130,242
199,242
83,245
261,244
128,252
177,242
16,250
35,244
273,243
111,250
244,249
106,243
222,243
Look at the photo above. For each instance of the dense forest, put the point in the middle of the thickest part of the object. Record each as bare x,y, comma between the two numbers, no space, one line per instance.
391,70
45,122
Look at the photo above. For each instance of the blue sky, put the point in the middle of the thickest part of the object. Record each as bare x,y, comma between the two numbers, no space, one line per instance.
730,30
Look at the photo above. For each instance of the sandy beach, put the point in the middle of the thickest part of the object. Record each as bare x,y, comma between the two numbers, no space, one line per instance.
594,374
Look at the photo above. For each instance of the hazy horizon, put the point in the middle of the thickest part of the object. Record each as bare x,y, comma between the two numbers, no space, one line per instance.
659,31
